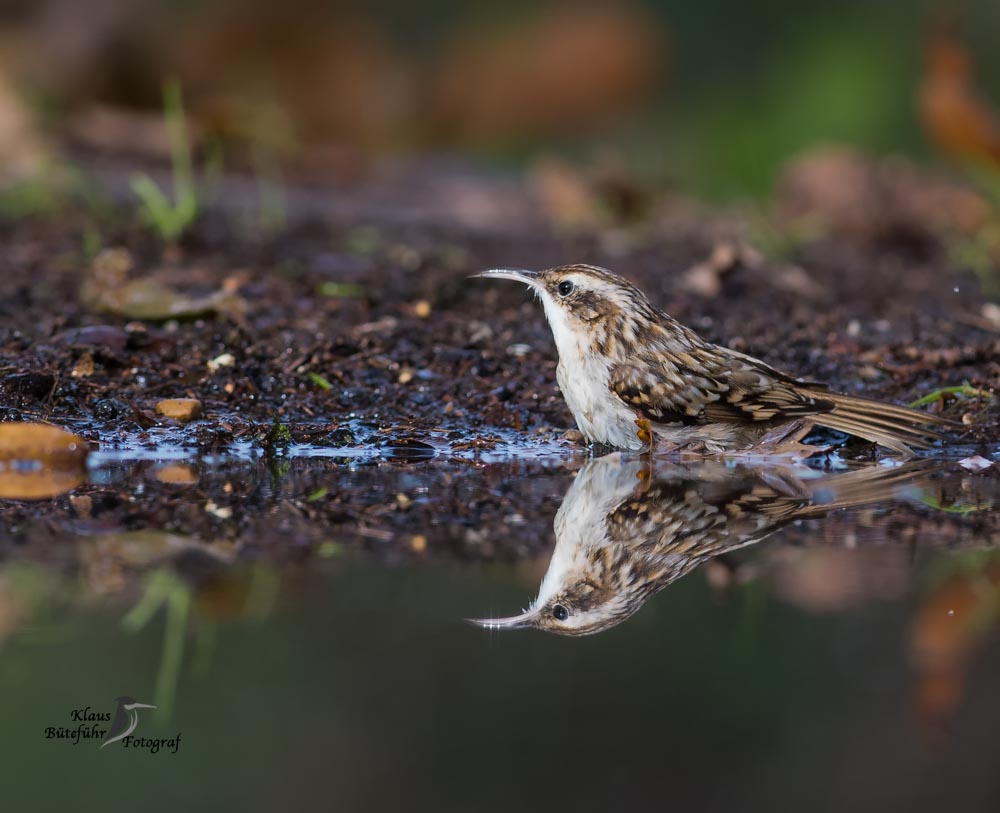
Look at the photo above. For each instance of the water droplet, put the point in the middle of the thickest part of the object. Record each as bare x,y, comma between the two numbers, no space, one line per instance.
956,289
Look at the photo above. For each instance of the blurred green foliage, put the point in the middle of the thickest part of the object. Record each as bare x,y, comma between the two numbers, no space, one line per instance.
742,87
754,84
171,218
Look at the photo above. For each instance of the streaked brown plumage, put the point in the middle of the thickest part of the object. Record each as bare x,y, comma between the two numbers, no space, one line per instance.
624,531
630,371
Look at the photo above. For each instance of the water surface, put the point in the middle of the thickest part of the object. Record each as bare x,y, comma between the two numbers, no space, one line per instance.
734,637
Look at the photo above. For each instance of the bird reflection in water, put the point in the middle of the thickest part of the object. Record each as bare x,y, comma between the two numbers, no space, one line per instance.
627,529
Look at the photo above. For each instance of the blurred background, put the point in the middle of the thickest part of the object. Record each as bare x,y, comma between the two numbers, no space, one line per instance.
713,97
644,124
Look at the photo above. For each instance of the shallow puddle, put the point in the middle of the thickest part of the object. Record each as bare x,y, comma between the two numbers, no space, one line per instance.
700,635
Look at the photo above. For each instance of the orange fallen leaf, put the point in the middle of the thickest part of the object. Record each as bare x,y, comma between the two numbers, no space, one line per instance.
42,442
38,484
956,117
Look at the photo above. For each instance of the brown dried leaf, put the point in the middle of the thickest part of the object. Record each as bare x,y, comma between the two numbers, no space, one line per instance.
42,442
107,289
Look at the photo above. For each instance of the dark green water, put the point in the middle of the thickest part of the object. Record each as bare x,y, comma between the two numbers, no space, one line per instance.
846,661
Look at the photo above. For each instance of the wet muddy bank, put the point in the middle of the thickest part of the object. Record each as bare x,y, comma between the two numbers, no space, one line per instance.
363,340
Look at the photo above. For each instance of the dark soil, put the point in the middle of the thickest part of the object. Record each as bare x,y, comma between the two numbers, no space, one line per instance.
891,319
423,362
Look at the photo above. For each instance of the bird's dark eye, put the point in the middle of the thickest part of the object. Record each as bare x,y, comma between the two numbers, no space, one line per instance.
565,289
560,613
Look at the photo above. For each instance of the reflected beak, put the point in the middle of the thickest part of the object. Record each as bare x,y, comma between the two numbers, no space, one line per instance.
514,622
529,278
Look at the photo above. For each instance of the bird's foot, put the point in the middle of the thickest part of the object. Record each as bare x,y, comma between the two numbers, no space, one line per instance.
645,434
785,442
644,476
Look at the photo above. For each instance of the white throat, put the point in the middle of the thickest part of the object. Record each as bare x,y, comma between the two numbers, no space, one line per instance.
583,380
569,342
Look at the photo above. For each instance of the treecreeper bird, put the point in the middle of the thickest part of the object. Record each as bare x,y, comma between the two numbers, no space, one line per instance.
632,375
626,530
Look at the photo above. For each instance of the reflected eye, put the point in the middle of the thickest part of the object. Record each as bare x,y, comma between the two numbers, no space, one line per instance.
565,289
560,613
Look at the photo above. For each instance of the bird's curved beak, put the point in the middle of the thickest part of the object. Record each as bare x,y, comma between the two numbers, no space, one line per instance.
516,274
513,622
131,706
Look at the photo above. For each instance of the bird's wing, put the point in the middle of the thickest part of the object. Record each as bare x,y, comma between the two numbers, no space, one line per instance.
687,519
708,384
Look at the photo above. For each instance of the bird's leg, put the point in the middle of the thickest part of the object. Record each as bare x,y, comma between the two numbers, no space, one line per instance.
645,432
644,476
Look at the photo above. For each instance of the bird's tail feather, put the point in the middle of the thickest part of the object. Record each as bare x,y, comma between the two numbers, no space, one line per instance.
852,489
895,427
866,486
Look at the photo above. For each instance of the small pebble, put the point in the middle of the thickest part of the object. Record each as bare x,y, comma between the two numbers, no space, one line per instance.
177,474
225,360
180,409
